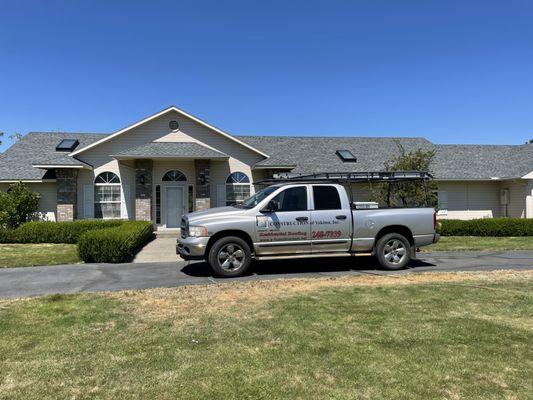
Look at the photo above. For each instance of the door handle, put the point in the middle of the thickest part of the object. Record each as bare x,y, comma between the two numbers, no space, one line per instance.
341,217
302,219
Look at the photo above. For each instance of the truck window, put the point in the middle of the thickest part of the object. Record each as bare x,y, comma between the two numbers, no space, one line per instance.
292,199
326,198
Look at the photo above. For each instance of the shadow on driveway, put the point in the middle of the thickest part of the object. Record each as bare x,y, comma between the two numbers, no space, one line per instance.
302,266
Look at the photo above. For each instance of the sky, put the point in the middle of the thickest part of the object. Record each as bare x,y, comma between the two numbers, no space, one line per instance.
450,71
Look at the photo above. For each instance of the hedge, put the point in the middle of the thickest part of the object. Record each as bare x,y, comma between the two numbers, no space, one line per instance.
114,245
486,227
54,232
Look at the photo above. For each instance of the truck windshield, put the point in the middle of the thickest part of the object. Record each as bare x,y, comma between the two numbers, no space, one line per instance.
259,196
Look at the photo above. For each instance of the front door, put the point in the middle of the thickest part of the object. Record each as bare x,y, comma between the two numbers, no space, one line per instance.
288,229
174,206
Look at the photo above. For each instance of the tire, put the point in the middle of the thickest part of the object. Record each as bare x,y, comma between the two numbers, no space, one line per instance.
393,251
229,257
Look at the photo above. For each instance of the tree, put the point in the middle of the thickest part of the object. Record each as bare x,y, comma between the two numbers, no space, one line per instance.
17,205
404,194
16,136
530,141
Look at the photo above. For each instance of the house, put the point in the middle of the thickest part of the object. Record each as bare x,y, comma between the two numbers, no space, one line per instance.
171,163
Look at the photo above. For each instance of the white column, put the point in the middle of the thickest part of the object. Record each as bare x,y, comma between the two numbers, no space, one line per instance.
529,199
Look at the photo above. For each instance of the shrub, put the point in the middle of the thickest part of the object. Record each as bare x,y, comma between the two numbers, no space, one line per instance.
487,227
17,205
7,236
114,245
58,232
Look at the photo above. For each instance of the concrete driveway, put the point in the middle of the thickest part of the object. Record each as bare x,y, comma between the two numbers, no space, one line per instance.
34,281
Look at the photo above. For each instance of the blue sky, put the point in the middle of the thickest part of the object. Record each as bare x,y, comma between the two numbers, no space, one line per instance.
454,72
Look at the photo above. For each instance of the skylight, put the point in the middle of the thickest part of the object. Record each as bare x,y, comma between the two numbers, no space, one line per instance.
346,156
67,145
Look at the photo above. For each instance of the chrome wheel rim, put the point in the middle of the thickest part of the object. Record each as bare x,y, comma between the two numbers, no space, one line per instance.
394,251
231,257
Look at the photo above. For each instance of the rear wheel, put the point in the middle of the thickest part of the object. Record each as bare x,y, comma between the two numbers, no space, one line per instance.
393,251
229,256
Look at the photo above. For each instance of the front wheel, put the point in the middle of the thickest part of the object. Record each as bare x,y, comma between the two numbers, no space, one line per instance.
229,256
393,251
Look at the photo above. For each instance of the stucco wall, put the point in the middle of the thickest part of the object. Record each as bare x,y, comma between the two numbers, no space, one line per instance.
48,201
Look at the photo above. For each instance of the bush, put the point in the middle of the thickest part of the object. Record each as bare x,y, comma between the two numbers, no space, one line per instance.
17,205
57,232
114,245
7,236
487,227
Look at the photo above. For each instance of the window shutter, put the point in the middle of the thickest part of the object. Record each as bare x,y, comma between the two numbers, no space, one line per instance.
221,195
125,199
88,201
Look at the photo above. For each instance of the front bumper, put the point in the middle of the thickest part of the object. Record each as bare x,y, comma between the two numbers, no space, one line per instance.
192,248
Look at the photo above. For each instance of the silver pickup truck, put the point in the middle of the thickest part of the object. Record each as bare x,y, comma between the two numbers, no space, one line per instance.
299,220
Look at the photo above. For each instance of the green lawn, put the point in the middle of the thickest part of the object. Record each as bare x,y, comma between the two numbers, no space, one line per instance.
448,336
26,255
464,243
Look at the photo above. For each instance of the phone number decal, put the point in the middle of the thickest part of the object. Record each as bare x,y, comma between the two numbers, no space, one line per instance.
326,234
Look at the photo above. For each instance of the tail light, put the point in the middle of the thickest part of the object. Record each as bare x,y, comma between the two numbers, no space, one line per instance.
435,220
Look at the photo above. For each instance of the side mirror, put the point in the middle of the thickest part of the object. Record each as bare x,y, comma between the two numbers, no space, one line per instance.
272,206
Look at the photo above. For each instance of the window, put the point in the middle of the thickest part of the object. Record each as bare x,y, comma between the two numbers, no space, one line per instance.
237,188
293,199
326,198
346,156
67,145
157,204
107,196
174,176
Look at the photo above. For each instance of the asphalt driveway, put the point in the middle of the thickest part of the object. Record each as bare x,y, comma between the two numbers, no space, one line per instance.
34,281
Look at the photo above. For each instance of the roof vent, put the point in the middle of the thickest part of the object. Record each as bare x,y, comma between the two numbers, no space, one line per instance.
346,156
67,145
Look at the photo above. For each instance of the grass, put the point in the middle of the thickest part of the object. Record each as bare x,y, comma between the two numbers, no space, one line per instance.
449,336
466,243
26,255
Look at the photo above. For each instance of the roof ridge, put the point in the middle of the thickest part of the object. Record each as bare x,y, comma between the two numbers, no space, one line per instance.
333,137
64,133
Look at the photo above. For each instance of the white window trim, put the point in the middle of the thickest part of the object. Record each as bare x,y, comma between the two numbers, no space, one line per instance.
108,201
246,184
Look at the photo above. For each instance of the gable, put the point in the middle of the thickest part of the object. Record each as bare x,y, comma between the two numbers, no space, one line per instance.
156,129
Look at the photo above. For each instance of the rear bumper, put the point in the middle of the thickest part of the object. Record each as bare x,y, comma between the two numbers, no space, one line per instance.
426,240
192,248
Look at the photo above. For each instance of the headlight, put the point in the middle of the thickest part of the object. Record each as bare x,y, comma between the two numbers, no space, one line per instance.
197,231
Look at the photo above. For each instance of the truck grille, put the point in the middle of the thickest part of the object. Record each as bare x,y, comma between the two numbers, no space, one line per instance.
184,227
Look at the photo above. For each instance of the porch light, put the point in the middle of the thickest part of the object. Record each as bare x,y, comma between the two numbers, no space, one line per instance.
201,178
142,180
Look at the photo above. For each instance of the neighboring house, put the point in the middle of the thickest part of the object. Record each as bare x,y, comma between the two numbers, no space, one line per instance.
172,162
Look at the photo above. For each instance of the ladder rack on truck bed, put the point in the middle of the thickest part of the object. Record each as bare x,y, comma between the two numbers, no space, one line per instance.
354,177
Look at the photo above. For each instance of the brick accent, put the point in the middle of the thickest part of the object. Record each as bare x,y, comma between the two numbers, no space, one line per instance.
203,187
65,212
67,194
143,190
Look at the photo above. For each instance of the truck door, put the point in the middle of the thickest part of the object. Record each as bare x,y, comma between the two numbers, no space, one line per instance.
286,230
331,222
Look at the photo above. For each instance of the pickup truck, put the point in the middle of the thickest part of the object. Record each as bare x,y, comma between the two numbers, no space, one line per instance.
299,220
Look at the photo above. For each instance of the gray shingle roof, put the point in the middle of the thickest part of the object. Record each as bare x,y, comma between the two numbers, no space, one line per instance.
38,148
482,161
172,149
308,154
315,154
